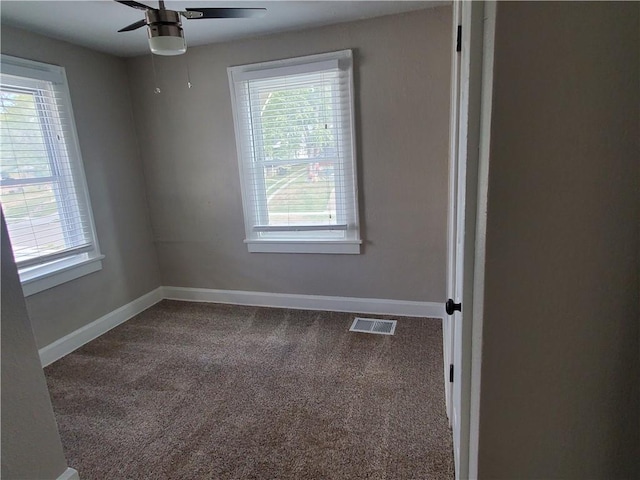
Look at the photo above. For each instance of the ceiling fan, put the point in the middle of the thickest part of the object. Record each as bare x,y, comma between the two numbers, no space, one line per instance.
164,27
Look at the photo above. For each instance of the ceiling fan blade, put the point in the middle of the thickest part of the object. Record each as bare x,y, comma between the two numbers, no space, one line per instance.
226,12
133,26
133,4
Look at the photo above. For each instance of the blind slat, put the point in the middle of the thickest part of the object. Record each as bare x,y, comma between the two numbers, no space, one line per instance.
298,228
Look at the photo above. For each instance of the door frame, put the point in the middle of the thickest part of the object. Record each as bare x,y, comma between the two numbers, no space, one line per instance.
478,20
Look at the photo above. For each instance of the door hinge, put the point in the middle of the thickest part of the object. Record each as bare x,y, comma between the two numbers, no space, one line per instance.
451,373
459,41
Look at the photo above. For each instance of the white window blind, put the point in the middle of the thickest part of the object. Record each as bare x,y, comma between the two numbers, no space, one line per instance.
295,140
42,186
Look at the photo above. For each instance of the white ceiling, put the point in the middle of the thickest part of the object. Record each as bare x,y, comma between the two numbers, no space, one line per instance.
94,24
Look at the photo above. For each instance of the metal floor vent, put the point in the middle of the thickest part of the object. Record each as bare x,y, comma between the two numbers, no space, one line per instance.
373,325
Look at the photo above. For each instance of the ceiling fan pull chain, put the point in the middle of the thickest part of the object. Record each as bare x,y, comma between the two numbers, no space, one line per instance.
189,84
155,77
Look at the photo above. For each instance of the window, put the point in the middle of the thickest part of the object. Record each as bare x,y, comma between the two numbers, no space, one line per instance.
294,126
42,185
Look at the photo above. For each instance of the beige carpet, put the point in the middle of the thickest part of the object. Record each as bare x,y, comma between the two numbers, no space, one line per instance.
207,391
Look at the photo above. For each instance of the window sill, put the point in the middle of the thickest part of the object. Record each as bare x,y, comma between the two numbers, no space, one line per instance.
279,246
56,273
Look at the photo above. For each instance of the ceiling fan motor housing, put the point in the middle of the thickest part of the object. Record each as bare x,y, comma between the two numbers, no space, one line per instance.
164,27
165,32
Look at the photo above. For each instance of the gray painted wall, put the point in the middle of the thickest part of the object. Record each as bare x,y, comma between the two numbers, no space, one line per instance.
31,446
560,373
102,109
402,70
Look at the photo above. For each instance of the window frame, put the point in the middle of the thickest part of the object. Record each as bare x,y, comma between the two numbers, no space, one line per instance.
345,238
57,269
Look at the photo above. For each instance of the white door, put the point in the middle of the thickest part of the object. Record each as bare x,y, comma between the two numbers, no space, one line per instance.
448,324
463,200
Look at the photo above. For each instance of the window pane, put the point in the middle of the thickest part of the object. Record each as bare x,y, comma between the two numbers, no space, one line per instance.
24,150
31,198
297,122
301,194
33,220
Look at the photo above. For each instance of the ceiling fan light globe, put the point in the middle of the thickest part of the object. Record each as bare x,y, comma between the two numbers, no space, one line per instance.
167,45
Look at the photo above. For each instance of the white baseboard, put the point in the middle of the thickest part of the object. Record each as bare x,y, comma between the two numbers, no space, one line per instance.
378,306
78,338
69,474
93,330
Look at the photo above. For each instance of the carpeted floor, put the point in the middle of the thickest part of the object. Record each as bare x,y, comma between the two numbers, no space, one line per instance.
209,391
